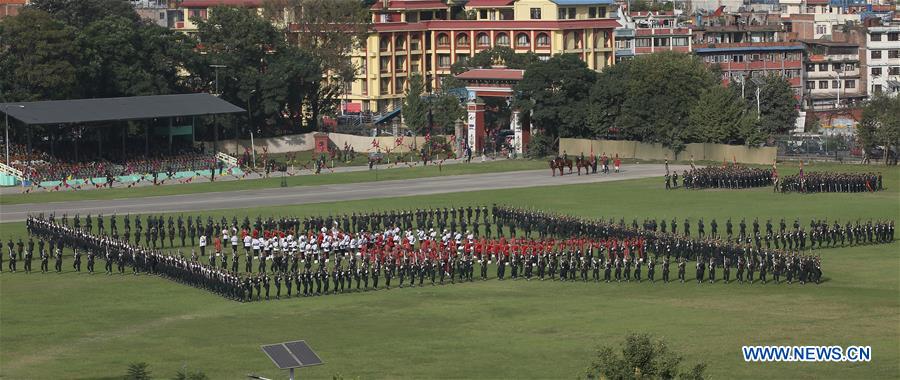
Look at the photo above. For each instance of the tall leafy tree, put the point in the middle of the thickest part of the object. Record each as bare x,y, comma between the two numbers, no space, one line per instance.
880,123
777,104
557,92
81,13
327,30
662,89
607,98
415,108
641,356
720,116
40,58
446,110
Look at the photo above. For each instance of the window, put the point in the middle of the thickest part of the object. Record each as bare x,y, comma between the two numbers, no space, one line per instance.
601,12
483,39
642,42
385,64
385,44
443,39
566,13
811,68
535,13
737,58
836,67
543,40
876,71
398,85
810,85
876,36
400,43
482,14
850,83
823,67
660,42
502,39
443,60
894,54
400,63
894,70
414,44
877,88
592,12
572,15
385,85
876,54
462,39
821,29
522,40
462,58
365,87
835,84
893,36
823,84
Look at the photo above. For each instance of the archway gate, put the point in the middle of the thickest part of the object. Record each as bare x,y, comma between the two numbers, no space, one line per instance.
493,82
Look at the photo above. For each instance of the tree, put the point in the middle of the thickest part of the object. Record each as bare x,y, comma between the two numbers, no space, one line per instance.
40,58
720,116
415,109
127,58
642,357
138,371
81,13
446,110
777,104
607,98
661,90
328,31
556,92
880,123
261,73
812,123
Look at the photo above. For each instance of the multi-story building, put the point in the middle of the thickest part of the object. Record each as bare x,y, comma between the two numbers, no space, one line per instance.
182,12
832,75
11,7
744,27
428,36
882,59
649,32
744,61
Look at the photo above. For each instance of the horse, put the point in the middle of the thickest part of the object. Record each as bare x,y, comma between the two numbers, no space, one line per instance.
585,163
560,163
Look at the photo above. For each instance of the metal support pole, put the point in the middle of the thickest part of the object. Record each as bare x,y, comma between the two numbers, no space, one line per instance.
292,374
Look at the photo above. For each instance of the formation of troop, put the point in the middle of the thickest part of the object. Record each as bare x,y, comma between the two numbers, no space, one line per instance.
320,255
830,182
724,177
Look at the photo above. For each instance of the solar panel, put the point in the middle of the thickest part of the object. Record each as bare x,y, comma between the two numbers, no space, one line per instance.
280,356
303,353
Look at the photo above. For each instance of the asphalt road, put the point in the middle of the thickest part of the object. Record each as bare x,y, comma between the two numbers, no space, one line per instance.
324,193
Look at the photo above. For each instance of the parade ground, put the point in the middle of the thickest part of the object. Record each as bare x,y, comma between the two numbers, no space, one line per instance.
76,325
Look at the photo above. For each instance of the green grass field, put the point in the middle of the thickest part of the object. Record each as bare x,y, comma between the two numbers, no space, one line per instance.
304,180
81,326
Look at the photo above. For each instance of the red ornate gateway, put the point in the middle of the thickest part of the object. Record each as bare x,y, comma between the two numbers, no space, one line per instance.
493,82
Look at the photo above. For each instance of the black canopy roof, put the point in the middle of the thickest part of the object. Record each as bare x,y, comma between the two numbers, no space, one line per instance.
109,109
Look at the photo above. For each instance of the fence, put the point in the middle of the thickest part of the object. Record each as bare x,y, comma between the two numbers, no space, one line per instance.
650,151
306,141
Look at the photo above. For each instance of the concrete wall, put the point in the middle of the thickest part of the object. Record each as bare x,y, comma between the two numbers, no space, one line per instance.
647,151
306,141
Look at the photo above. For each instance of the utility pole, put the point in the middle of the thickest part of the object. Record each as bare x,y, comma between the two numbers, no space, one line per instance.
215,124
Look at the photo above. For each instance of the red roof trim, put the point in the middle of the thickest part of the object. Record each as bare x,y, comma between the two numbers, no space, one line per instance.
215,3
498,74
410,4
494,25
489,3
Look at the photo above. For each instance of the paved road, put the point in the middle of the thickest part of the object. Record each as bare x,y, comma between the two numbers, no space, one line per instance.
323,193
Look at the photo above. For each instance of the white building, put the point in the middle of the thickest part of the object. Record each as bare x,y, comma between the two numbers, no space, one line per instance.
883,59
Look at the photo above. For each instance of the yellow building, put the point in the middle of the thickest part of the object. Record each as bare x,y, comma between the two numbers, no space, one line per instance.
429,36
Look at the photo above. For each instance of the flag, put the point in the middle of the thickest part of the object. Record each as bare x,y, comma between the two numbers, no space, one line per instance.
733,160
724,163
801,169
375,143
